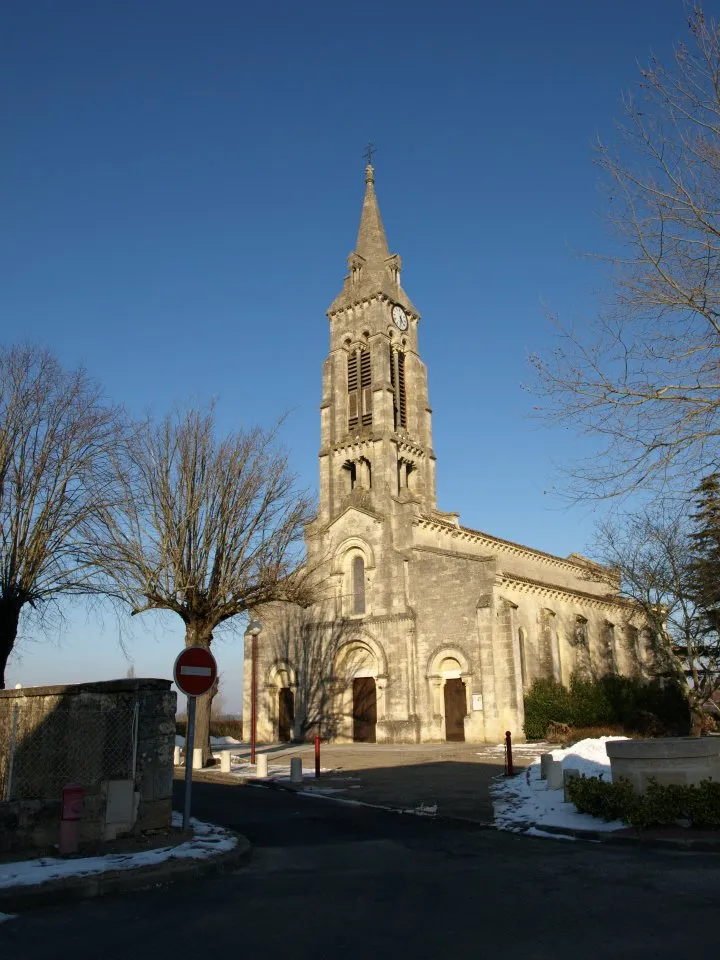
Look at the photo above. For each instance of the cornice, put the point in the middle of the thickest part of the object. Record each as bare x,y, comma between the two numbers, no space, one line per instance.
452,553
406,445
357,444
505,546
538,588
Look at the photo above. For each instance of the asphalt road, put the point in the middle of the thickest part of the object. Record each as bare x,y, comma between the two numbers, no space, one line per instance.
328,880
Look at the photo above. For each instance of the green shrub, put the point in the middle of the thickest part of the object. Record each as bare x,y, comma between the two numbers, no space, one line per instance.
602,799
669,704
545,701
633,704
661,804
589,705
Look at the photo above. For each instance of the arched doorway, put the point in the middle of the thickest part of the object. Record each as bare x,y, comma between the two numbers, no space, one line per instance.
286,714
455,700
364,709
361,688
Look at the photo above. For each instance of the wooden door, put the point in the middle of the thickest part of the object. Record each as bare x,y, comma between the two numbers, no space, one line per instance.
364,710
455,710
286,714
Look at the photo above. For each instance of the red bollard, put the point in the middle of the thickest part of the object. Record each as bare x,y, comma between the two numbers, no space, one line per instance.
73,807
509,768
317,758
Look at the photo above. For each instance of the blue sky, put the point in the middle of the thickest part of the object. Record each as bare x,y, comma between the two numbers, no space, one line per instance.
181,183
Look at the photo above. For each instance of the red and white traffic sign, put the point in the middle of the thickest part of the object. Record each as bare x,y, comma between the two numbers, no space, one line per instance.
195,671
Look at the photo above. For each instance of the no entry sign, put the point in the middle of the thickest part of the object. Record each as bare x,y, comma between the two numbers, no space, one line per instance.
195,671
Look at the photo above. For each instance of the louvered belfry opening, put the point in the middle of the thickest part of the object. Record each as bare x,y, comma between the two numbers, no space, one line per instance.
359,389
397,381
366,387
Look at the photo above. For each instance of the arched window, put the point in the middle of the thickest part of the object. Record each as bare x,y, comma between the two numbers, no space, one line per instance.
522,638
358,584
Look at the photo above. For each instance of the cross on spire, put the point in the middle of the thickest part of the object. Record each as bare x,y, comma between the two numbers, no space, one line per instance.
370,149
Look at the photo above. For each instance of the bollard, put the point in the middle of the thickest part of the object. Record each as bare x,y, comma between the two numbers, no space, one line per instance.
555,775
73,807
225,761
296,770
317,758
509,768
545,760
197,758
261,768
176,756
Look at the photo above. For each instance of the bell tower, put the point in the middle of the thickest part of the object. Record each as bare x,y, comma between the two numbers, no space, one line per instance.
376,439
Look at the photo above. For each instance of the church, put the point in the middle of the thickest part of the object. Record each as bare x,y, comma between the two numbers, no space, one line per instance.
423,629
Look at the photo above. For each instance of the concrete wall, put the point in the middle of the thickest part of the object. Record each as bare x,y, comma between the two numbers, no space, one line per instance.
114,738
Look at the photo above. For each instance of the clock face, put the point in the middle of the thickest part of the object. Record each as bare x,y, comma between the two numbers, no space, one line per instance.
399,317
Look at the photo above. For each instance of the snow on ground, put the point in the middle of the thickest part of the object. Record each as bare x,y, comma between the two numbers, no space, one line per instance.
208,841
518,749
216,742
241,767
524,804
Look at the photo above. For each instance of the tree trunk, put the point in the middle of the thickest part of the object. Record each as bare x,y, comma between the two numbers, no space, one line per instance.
697,721
200,635
9,620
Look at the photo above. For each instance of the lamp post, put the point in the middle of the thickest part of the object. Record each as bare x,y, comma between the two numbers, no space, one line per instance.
254,628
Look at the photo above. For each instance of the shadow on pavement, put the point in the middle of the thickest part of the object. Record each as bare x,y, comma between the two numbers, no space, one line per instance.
446,788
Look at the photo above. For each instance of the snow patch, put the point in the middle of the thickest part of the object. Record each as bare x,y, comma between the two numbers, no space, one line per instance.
217,742
208,840
523,804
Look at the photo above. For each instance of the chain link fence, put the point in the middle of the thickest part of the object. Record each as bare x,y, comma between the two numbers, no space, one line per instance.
43,757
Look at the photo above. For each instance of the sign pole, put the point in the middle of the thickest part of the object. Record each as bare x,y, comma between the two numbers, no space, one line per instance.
189,755
195,672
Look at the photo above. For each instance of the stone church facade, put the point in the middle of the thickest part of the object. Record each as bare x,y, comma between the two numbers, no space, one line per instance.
424,630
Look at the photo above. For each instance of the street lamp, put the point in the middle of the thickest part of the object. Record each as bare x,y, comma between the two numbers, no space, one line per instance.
254,628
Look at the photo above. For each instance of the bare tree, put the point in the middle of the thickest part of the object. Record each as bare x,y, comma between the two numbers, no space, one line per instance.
308,644
218,706
208,527
643,378
55,433
652,551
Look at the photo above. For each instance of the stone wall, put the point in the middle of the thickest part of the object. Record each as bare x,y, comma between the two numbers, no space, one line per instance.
114,738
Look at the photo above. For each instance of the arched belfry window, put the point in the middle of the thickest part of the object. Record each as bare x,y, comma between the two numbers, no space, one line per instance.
397,382
359,378
358,584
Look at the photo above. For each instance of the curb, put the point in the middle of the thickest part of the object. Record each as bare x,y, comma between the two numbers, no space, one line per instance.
693,844
614,838
71,889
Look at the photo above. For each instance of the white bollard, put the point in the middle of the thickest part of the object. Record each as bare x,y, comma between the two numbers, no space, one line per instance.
545,760
176,756
261,769
296,770
555,775
197,758
225,761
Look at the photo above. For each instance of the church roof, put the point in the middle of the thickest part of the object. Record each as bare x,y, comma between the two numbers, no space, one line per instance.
373,269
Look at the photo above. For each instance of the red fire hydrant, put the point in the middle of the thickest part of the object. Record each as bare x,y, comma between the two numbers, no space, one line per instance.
73,808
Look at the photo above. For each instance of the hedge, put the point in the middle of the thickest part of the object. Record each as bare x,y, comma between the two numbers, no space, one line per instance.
635,704
660,805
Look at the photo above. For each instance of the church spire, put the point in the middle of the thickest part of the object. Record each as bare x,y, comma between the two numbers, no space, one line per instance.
371,241
373,269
